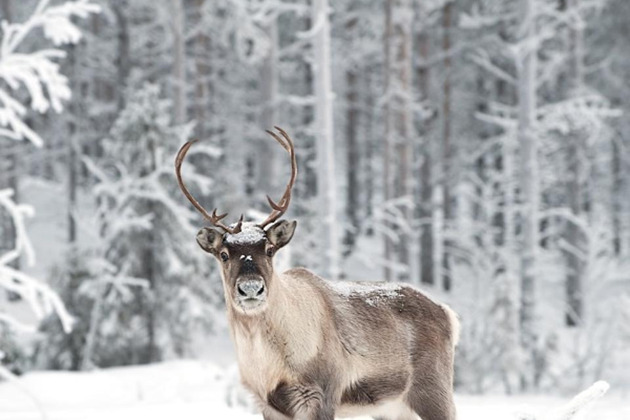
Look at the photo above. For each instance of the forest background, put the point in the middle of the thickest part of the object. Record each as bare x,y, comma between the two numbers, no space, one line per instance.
477,149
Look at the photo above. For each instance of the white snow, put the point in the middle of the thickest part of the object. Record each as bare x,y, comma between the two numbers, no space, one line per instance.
347,288
371,292
250,233
196,390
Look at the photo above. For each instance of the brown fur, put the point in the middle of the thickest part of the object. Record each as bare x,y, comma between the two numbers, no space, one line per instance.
310,351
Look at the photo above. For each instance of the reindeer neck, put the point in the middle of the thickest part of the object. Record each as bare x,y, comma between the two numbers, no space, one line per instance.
284,320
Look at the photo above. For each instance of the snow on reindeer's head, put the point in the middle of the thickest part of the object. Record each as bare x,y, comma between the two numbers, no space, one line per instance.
246,259
245,250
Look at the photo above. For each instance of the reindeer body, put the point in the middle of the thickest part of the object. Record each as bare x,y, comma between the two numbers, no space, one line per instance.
349,349
309,349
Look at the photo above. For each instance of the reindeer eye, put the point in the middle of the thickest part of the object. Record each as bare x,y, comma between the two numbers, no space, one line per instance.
270,251
224,256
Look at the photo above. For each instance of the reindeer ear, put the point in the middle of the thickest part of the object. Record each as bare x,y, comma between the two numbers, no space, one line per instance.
281,232
209,239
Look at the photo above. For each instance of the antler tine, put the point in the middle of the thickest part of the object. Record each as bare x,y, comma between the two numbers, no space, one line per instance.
279,140
216,220
273,205
279,208
213,218
284,134
216,217
239,225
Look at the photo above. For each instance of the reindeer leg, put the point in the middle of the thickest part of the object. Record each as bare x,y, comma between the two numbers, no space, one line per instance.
431,392
431,399
301,402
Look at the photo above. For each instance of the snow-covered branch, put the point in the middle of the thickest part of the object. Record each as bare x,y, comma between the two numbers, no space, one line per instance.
576,405
41,298
482,59
39,71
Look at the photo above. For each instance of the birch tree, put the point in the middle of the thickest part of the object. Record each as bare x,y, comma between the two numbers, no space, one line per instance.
324,130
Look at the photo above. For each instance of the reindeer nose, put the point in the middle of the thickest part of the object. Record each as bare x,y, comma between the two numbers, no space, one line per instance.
251,289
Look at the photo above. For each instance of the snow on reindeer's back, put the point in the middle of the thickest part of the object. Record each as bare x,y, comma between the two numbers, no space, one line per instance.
250,233
371,293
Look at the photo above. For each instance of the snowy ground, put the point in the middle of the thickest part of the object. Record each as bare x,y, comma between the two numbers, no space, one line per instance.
194,390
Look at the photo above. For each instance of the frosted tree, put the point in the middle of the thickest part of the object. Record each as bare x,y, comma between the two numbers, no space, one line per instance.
535,112
145,237
37,73
356,47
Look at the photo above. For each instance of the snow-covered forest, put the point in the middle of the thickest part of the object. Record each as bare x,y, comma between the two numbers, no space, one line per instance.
477,149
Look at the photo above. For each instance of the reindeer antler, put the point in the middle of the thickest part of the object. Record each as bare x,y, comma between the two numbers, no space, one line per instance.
279,208
213,218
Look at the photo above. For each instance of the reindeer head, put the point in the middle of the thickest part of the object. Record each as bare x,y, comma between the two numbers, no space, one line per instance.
245,250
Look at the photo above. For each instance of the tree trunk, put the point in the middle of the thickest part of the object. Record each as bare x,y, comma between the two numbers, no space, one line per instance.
73,147
426,188
510,290
202,72
148,269
367,130
388,244
327,187
398,127
265,167
179,62
530,190
353,162
123,57
307,118
446,140
618,198
575,266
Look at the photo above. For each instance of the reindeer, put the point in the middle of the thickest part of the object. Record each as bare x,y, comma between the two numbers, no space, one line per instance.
312,349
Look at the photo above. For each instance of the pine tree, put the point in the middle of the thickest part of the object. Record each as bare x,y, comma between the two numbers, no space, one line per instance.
146,300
